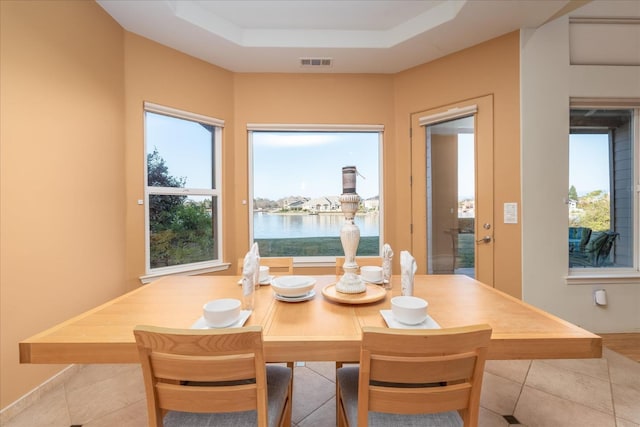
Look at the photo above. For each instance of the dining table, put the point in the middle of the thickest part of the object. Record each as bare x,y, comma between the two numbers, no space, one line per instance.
322,327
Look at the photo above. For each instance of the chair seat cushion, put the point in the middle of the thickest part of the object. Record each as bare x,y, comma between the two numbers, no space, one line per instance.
347,378
278,378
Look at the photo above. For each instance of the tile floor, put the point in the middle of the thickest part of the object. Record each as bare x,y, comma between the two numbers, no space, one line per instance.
541,393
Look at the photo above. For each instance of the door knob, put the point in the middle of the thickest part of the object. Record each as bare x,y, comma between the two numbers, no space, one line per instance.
485,239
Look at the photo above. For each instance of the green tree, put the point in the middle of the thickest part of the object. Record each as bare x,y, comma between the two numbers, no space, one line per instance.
162,207
596,207
573,194
181,229
158,172
262,203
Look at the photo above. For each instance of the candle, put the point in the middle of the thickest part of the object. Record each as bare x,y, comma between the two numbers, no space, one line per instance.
348,179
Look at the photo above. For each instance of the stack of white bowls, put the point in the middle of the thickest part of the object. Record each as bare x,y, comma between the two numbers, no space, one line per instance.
293,286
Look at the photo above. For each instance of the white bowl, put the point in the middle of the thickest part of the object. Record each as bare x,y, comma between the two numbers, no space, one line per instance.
222,312
409,310
293,286
264,273
371,273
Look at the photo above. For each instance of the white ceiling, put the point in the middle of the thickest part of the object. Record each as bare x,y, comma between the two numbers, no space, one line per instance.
359,36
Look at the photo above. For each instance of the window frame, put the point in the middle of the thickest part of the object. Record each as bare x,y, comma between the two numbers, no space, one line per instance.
317,261
619,275
216,264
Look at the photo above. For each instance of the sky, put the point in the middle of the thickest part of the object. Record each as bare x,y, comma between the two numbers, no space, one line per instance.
466,167
284,163
183,145
310,164
589,162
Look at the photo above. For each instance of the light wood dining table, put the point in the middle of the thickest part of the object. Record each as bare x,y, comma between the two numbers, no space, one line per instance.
315,330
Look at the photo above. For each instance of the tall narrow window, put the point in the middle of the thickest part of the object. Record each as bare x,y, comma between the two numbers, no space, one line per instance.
451,198
182,189
603,197
296,185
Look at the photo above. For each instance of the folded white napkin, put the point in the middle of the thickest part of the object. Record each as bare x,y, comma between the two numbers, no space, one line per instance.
249,268
391,322
408,269
387,257
256,273
256,250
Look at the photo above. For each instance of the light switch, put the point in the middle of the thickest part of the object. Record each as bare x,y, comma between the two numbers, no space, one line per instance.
510,213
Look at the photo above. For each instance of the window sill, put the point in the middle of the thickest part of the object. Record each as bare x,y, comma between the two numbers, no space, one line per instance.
607,277
319,261
191,270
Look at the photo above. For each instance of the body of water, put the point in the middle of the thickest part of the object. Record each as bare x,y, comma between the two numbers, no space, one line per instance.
274,226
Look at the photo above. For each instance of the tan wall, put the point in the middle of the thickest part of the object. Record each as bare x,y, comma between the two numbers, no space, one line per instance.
164,76
488,68
73,84
62,207
444,152
303,99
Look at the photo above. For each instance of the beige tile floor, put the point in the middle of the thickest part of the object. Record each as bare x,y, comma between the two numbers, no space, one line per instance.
552,393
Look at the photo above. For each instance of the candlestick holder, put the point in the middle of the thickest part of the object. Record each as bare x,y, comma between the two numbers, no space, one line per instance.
350,282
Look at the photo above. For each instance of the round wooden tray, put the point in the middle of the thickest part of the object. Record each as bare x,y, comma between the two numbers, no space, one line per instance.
373,293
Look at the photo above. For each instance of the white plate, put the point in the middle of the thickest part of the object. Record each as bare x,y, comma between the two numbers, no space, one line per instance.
267,281
369,281
428,323
202,324
306,297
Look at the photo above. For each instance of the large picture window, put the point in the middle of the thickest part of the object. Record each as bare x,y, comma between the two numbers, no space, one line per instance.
603,193
182,190
296,185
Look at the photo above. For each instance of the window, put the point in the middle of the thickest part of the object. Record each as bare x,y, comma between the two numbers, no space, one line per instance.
603,192
183,199
296,185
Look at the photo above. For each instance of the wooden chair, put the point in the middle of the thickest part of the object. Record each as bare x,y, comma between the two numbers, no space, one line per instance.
411,377
212,377
361,261
375,260
277,265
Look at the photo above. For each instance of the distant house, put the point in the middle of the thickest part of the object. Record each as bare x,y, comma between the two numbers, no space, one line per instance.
466,209
294,203
372,203
573,204
323,204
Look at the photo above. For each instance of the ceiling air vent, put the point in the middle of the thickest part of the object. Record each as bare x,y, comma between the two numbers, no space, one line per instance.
315,62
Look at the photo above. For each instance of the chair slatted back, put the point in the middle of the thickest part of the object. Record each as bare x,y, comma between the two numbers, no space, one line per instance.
277,265
411,371
208,371
361,261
